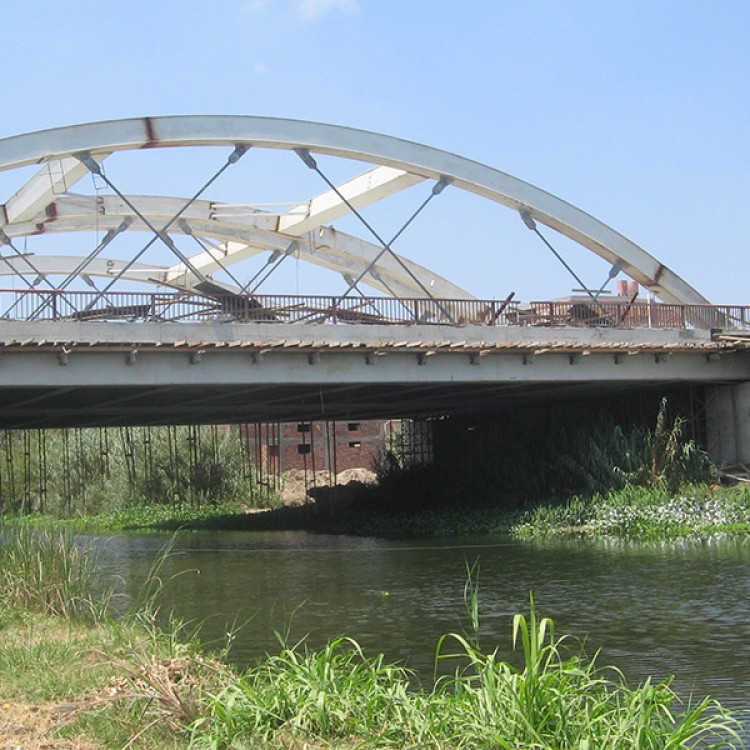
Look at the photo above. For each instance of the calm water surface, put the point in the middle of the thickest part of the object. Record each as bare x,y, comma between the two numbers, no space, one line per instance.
655,610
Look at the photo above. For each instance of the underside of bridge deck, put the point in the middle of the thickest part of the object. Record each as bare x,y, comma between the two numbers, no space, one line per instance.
104,406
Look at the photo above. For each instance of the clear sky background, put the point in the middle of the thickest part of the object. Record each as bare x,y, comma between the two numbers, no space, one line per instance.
637,112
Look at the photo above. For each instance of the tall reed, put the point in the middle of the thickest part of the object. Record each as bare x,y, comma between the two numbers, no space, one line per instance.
46,571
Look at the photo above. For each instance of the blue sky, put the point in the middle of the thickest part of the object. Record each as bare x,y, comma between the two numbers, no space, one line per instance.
637,112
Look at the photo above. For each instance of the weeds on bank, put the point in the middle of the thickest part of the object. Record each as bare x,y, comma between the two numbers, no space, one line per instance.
85,471
641,513
556,699
46,571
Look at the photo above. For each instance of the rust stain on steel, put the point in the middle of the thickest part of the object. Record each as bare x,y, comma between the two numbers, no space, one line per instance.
152,139
659,272
51,211
38,229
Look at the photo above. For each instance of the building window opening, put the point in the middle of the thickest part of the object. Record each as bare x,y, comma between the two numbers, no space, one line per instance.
355,444
303,427
352,426
303,449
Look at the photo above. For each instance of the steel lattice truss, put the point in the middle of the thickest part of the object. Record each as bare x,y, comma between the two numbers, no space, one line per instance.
223,235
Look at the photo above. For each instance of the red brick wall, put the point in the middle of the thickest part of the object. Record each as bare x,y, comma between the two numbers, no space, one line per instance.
318,446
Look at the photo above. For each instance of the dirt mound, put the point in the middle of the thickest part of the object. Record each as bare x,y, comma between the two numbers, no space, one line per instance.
365,476
296,483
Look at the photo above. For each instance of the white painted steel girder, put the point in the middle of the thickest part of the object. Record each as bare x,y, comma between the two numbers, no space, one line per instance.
54,178
62,265
243,236
359,192
101,138
98,367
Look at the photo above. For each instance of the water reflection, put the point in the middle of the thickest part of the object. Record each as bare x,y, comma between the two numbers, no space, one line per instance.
655,609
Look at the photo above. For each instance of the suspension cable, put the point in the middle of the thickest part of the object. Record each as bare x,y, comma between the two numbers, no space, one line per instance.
5,240
86,159
531,224
108,237
188,230
310,162
278,261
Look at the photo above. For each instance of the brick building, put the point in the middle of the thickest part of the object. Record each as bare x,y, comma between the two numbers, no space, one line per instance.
316,446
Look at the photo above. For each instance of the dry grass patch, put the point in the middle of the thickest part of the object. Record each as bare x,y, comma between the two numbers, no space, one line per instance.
35,727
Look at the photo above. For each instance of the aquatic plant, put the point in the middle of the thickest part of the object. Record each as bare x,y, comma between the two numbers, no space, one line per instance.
556,699
642,513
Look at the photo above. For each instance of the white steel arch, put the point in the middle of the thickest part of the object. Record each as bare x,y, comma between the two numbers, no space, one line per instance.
404,158
241,236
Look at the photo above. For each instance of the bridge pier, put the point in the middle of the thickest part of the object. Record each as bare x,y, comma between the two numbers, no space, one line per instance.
728,423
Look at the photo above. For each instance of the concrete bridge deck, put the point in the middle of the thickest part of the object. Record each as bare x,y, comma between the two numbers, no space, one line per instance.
96,373
206,344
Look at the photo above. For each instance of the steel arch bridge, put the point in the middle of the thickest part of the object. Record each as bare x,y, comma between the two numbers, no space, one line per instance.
228,234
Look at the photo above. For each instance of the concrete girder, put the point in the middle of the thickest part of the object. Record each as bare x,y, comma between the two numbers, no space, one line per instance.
244,236
417,159
54,178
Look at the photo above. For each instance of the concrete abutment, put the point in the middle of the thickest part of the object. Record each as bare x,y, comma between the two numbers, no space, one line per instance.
728,424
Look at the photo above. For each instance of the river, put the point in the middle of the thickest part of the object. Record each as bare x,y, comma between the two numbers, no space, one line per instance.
655,609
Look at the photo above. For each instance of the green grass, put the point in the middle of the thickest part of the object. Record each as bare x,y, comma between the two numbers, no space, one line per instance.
340,697
557,700
642,513
137,518
44,570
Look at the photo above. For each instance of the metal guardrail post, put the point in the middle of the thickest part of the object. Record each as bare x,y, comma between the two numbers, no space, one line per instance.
56,305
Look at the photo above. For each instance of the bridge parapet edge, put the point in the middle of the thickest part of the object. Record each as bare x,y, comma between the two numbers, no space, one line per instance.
242,336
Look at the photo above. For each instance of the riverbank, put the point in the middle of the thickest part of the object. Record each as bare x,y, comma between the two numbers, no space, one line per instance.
635,513
643,514
99,686
72,677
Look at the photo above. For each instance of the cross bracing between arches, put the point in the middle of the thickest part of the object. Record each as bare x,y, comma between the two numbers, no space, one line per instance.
70,153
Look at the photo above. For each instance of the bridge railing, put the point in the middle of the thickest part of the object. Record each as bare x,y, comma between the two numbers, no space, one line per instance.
54,305
635,314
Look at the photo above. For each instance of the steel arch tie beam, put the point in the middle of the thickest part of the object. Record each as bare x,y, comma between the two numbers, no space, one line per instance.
264,132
